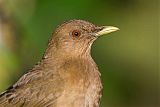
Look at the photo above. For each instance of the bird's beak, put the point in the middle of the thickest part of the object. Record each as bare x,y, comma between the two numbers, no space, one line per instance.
105,30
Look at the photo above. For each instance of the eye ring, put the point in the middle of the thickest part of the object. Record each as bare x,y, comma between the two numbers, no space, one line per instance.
76,33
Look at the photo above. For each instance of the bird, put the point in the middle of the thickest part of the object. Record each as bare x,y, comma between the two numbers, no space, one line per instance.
66,76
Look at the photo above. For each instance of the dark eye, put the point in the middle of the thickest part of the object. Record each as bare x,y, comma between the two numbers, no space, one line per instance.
76,33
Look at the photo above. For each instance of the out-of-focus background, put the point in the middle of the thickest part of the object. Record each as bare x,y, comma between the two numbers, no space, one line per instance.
127,59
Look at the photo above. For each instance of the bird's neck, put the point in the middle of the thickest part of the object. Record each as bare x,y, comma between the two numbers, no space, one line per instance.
56,59
61,54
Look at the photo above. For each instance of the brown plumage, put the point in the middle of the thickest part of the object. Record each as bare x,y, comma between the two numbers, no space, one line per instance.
66,76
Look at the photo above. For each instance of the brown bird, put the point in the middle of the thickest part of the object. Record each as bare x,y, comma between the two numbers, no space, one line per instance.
67,76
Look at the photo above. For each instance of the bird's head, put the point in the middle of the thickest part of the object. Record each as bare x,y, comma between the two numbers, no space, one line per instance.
75,37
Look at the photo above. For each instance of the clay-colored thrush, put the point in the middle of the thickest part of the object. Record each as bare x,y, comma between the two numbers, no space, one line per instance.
67,76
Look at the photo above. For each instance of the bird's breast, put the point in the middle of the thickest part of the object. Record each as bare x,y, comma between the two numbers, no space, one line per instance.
82,84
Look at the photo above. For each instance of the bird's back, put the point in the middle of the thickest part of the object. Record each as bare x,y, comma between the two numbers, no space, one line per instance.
37,88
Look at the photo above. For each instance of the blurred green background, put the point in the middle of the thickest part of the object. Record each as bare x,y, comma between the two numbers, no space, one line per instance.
127,59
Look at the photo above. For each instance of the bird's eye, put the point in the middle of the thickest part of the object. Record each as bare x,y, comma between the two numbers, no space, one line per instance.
76,33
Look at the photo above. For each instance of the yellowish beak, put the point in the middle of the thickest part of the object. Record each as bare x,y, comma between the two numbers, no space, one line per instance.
106,30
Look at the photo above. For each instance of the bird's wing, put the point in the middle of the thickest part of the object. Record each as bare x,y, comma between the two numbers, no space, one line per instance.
34,89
